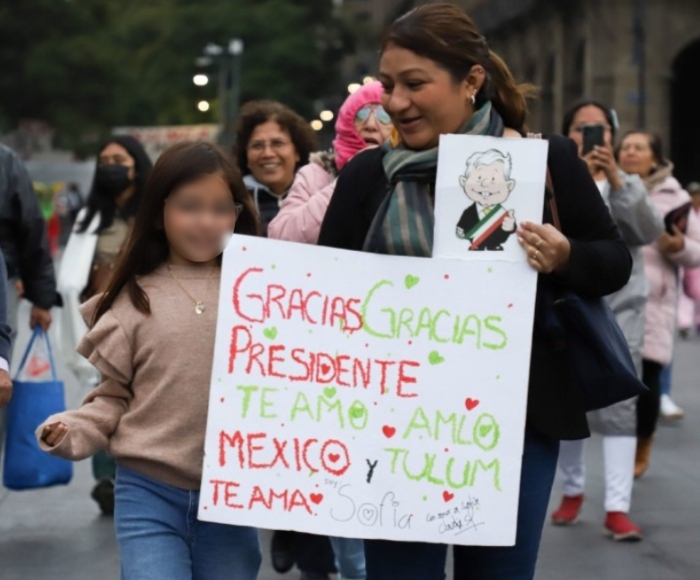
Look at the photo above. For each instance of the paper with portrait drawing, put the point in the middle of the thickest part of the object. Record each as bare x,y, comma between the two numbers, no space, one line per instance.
486,187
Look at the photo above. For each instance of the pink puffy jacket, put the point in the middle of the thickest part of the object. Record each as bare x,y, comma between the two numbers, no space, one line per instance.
691,277
302,211
662,271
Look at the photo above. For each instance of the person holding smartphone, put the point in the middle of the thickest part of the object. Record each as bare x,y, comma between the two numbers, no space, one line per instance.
591,125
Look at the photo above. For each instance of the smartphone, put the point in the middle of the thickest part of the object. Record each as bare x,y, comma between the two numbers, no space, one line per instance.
593,135
678,217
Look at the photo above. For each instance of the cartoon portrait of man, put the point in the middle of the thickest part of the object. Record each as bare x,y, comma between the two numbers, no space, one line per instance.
487,182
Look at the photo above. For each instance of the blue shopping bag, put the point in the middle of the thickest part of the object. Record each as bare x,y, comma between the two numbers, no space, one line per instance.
26,465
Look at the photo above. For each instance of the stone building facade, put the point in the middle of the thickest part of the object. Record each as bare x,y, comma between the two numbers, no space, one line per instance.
638,56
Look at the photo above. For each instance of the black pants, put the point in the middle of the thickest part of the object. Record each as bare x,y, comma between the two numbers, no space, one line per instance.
312,553
649,403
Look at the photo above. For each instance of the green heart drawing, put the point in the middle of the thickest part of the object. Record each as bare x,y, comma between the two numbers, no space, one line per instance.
329,392
484,430
270,333
411,281
357,412
434,358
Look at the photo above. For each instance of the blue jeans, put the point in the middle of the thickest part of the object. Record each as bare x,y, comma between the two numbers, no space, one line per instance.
160,537
416,561
349,558
665,379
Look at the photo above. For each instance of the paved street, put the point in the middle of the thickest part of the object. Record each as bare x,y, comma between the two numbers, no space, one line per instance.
58,534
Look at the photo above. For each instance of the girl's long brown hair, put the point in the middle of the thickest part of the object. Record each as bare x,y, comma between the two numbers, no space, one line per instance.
446,35
147,246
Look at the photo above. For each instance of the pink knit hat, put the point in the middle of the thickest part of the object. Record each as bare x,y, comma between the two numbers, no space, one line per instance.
347,140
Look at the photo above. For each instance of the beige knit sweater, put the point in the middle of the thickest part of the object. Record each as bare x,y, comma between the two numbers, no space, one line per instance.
150,410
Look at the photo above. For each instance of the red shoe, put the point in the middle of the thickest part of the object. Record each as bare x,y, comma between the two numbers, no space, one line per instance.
568,511
621,529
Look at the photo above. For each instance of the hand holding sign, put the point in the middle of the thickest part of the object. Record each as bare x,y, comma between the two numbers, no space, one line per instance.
547,249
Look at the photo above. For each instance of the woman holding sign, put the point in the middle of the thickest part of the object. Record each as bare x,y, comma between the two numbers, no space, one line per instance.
440,77
642,154
150,410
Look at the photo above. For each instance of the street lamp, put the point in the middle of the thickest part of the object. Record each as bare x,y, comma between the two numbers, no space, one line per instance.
230,62
316,125
353,87
326,116
200,80
235,52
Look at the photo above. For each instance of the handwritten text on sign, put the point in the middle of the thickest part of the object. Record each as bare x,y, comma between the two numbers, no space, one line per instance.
368,396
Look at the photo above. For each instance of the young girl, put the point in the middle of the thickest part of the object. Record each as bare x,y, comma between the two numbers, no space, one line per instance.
152,338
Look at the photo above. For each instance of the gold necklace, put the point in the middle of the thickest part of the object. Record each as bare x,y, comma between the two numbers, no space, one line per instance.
199,306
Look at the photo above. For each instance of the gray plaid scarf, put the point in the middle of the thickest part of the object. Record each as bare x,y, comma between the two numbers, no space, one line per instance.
403,225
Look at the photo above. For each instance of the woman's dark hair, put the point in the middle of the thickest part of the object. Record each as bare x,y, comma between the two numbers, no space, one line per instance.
445,34
655,144
147,246
107,206
570,115
256,113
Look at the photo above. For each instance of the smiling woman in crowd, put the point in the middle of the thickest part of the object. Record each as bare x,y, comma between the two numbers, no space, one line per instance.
272,143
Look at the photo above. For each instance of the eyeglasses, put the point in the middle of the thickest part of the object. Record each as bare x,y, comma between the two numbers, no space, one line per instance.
379,113
196,209
276,145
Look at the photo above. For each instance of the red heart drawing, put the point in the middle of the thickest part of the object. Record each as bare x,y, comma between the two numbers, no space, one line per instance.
471,404
333,457
447,496
325,369
317,498
388,431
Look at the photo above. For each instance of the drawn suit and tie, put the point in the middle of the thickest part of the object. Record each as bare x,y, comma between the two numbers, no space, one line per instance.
486,223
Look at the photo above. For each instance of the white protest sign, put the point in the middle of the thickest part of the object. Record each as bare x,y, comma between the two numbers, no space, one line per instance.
485,186
368,396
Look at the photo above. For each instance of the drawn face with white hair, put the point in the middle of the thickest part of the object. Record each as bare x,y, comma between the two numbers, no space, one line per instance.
487,179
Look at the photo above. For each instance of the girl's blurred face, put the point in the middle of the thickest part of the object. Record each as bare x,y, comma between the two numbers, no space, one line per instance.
115,154
272,156
197,218
373,124
636,155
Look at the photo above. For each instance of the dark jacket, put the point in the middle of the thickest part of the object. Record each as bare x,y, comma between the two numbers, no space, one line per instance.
5,342
23,237
600,264
267,203
495,240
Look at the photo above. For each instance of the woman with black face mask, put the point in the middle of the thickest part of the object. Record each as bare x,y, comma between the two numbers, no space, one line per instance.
102,227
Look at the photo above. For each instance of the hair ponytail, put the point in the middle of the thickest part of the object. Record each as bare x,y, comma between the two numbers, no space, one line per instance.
507,95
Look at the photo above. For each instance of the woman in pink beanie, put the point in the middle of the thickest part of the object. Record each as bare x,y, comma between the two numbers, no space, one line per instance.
362,123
